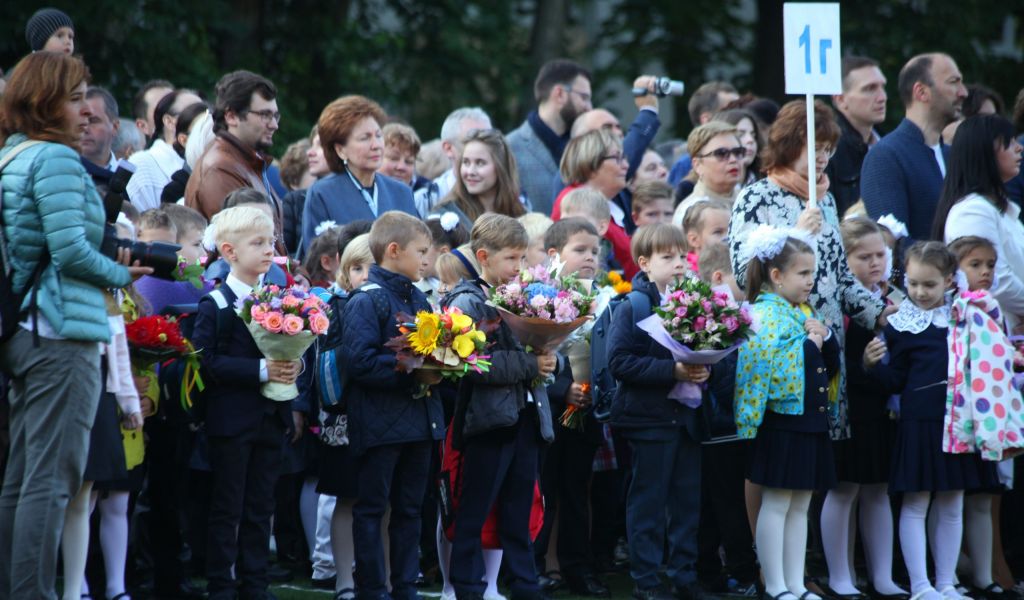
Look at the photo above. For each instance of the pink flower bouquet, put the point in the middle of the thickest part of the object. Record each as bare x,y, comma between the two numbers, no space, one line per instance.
541,308
698,326
284,322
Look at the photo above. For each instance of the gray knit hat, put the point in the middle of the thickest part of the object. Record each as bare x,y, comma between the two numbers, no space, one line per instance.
44,23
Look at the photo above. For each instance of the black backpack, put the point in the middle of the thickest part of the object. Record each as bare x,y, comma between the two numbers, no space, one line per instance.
603,385
172,374
11,301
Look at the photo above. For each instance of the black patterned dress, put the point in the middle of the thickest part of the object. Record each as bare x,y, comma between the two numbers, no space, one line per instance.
836,292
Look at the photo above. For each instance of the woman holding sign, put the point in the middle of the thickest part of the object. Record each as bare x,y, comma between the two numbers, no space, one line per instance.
781,200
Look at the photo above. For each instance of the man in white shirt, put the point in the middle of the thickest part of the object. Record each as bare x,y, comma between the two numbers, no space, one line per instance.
155,165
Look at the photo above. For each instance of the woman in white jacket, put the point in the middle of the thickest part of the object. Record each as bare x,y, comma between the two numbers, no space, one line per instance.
984,156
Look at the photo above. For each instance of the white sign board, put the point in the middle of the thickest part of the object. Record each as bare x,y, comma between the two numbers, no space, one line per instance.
811,43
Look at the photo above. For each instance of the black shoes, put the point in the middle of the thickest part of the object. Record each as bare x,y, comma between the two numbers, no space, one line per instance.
587,584
323,584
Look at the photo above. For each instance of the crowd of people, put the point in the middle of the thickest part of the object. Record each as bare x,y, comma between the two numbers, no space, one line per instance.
825,428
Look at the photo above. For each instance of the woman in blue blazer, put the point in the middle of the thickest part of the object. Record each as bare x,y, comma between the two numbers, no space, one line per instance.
350,133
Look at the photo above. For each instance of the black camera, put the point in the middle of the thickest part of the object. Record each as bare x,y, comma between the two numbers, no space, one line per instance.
663,86
161,256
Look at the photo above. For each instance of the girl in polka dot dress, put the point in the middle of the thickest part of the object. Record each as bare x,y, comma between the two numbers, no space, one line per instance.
921,471
977,259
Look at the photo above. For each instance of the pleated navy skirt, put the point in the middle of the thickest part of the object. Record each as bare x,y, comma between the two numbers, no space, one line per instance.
920,465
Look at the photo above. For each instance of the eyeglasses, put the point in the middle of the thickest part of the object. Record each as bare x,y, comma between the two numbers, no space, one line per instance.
619,158
266,115
723,154
583,97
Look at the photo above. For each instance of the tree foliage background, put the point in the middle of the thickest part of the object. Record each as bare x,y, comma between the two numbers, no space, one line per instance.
421,58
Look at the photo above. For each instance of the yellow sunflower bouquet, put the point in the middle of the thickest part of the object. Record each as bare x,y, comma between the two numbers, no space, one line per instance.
448,341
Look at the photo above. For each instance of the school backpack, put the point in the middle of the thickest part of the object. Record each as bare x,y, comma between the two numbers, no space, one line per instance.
11,313
172,373
603,385
331,375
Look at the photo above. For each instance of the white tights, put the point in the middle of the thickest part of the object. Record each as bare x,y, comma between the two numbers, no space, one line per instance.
782,540
837,536
978,532
75,541
945,543
492,564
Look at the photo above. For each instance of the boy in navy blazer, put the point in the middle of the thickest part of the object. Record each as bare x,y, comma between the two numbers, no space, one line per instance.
664,435
246,431
390,431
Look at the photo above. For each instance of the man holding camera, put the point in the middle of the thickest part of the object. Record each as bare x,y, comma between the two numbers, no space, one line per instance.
646,91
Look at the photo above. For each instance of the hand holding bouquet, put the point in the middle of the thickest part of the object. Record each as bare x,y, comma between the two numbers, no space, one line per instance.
156,339
284,322
698,326
448,341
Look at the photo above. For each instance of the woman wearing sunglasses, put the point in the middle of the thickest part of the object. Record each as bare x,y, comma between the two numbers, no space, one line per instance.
717,163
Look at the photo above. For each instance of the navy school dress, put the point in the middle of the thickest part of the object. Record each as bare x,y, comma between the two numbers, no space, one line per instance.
794,452
866,456
917,371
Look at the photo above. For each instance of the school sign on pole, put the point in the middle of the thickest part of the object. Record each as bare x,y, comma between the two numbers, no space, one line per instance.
813,61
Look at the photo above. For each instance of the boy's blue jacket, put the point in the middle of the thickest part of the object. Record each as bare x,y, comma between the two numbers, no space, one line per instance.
233,401
381,407
645,372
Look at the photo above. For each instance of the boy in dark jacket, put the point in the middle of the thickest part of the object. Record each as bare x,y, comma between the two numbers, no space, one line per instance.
246,431
390,431
501,418
568,463
664,435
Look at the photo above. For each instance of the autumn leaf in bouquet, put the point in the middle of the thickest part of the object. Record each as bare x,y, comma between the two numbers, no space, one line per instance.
698,325
448,341
284,323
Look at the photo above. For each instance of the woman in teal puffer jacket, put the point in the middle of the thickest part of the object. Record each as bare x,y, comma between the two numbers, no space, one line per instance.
50,207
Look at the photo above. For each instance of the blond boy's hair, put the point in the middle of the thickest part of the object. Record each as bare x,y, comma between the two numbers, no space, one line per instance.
395,227
185,218
230,224
357,252
536,224
586,202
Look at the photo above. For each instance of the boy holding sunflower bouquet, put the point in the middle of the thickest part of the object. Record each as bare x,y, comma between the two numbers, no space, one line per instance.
390,429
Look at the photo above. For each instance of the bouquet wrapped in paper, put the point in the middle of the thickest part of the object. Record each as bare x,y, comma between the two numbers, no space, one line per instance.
541,308
156,339
698,326
284,322
448,341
